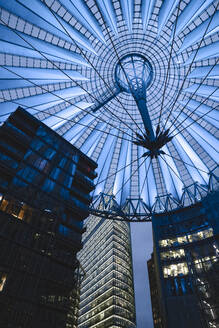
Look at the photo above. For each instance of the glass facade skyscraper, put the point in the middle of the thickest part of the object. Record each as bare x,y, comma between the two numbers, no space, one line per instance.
107,292
44,197
186,266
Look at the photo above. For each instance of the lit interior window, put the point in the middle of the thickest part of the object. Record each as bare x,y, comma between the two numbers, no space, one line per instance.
200,235
22,212
174,270
216,249
182,240
205,262
4,205
187,238
3,278
172,254
167,242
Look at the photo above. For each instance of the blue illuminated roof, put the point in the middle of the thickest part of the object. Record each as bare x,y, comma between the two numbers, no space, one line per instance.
58,61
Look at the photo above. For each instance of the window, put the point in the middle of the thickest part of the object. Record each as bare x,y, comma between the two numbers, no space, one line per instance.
55,173
200,235
205,263
172,254
165,242
179,286
174,270
3,278
19,183
4,205
37,144
11,206
10,162
182,240
41,164
28,174
16,208
49,153
187,238
63,162
48,185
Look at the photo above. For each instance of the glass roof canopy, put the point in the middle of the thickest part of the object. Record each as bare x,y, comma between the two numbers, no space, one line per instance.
58,60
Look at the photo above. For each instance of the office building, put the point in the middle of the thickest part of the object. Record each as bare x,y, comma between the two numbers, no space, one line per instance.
107,292
185,277
44,184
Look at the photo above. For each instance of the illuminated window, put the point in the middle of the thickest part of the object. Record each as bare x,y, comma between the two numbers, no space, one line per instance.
172,254
22,212
200,235
174,270
205,263
102,316
3,278
166,242
187,238
4,205
182,240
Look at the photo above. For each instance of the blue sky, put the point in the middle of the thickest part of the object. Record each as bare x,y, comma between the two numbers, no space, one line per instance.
142,246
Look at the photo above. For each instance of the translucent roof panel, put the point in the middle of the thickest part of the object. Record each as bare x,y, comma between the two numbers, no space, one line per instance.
58,60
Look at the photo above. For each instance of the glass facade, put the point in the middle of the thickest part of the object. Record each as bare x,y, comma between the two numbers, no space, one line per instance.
186,248
107,293
44,188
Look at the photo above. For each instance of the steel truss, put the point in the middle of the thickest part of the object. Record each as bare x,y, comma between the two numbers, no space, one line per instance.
135,210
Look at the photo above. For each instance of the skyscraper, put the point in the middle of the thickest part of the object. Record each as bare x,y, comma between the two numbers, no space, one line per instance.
107,292
186,266
44,186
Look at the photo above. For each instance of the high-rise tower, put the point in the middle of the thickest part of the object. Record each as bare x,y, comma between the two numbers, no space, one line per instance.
107,293
44,197
186,266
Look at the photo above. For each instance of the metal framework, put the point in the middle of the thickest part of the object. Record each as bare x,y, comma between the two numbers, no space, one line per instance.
134,74
135,210
105,73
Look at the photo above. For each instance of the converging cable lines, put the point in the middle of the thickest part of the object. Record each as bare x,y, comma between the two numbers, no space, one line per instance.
60,117
131,175
199,118
194,93
180,160
67,101
109,176
169,60
75,82
190,66
119,61
88,60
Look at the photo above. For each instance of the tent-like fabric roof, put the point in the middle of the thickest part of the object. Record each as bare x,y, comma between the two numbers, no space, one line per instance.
58,61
